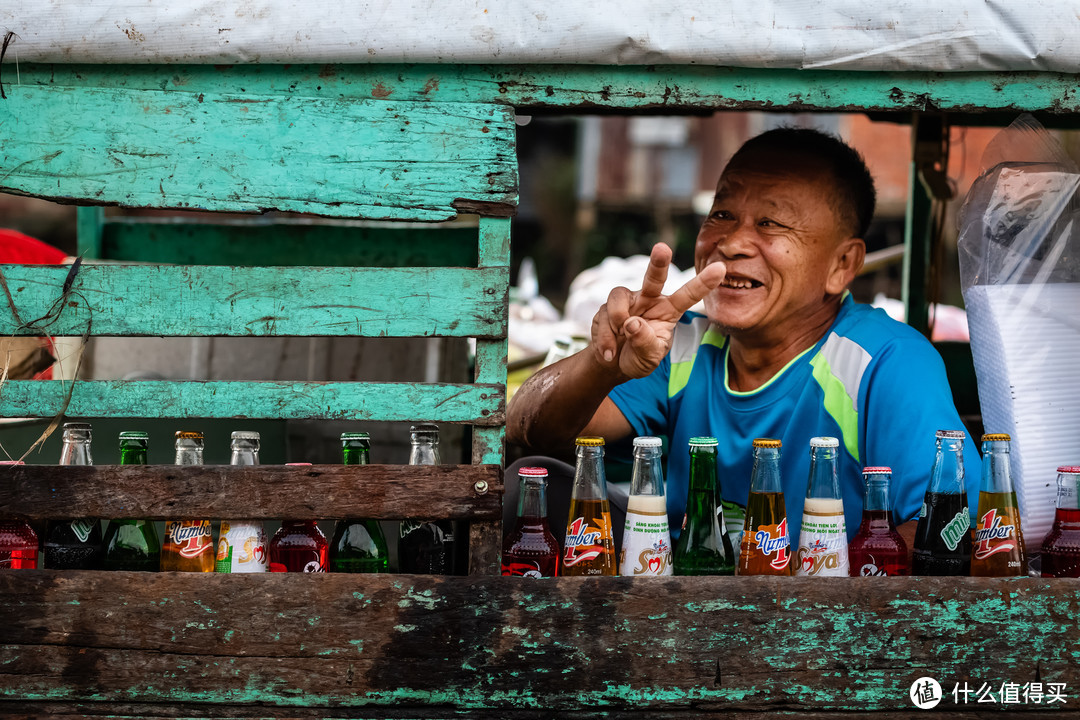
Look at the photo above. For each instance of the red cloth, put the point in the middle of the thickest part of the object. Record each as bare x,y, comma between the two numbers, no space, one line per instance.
18,248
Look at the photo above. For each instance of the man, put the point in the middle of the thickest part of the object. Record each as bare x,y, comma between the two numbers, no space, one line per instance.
782,351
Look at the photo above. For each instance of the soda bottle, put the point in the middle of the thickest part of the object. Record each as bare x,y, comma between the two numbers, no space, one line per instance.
298,546
998,550
132,544
703,547
589,547
823,547
189,544
18,541
766,544
646,541
74,544
241,546
530,548
877,548
426,547
358,546
1061,546
943,536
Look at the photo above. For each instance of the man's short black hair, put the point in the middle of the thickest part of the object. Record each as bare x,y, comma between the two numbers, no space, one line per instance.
855,195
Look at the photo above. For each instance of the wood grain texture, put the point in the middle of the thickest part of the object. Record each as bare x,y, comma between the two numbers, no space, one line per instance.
619,644
341,157
265,492
161,300
390,402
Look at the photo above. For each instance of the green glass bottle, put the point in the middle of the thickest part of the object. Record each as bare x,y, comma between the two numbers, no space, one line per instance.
132,544
358,546
703,547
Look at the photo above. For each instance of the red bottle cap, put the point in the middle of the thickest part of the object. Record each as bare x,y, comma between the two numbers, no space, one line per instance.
533,472
1071,469
876,470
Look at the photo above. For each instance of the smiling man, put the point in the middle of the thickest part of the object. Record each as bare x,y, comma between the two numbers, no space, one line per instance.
783,351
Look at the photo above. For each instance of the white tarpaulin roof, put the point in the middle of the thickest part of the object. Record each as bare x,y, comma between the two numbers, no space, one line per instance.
960,35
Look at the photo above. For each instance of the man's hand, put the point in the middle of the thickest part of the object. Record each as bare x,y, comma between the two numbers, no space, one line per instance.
633,330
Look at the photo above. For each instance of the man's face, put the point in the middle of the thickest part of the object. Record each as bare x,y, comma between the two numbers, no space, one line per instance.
773,224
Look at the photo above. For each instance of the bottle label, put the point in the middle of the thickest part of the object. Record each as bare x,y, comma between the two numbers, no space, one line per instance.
193,538
823,546
241,548
523,569
646,548
772,540
584,541
82,528
953,532
994,535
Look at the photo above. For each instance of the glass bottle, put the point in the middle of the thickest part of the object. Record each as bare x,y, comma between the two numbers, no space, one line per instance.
646,540
132,544
18,541
703,547
189,544
823,546
998,549
242,546
358,546
877,548
1061,546
74,544
426,547
299,546
530,548
766,544
943,536
589,547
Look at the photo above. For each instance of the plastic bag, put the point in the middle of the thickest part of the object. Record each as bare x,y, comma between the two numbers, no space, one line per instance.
1019,248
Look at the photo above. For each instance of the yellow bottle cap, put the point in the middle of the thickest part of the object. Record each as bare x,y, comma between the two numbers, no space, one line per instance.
996,437
188,435
589,442
766,443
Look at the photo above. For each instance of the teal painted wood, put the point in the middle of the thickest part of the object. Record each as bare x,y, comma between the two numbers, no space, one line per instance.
585,87
88,230
256,241
303,301
398,402
205,150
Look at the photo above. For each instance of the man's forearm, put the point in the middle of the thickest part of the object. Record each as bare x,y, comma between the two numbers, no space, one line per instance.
555,404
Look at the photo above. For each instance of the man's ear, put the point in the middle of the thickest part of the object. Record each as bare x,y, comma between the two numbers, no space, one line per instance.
847,262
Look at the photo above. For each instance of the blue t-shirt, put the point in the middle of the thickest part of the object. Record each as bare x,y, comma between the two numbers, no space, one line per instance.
872,382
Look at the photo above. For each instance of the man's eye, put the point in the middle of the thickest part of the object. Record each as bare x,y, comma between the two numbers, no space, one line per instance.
720,215
767,222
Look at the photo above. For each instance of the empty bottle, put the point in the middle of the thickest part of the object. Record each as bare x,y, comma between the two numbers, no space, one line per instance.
703,547
766,544
132,544
426,547
358,546
74,544
530,548
1061,546
998,549
189,544
589,546
18,541
877,548
943,536
823,539
646,540
242,546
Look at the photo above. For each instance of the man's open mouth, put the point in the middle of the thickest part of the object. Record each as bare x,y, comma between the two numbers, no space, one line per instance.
739,283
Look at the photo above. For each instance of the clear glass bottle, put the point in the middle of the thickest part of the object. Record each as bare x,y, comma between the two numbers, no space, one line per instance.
589,546
189,544
74,544
823,539
877,548
1061,546
18,541
703,547
943,535
998,546
132,544
426,547
766,542
358,546
242,545
530,548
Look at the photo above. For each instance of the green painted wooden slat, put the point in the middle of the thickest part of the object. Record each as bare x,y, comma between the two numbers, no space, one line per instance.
250,153
392,402
211,301
289,243
586,88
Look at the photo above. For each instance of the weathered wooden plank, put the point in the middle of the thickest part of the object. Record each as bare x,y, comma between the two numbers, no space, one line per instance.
266,492
288,243
592,88
250,152
706,644
391,402
248,301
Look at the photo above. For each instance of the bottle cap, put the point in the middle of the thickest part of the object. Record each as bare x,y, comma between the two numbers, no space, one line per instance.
589,442
355,436
703,441
766,443
188,435
1071,469
996,437
532,472
951,435
76,426
824,442
245,435
424,427
877,470
648,441
134,435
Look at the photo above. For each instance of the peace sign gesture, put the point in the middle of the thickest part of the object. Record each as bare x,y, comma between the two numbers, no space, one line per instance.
633,330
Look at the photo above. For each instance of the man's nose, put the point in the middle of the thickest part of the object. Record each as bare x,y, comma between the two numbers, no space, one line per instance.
734,242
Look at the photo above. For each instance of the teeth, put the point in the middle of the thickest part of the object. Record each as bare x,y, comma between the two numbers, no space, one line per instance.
736,283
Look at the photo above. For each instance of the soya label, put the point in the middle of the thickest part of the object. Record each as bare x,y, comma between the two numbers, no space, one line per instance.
995,533
823,546
646,545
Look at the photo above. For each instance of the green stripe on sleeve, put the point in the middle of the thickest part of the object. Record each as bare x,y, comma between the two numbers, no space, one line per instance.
838,404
